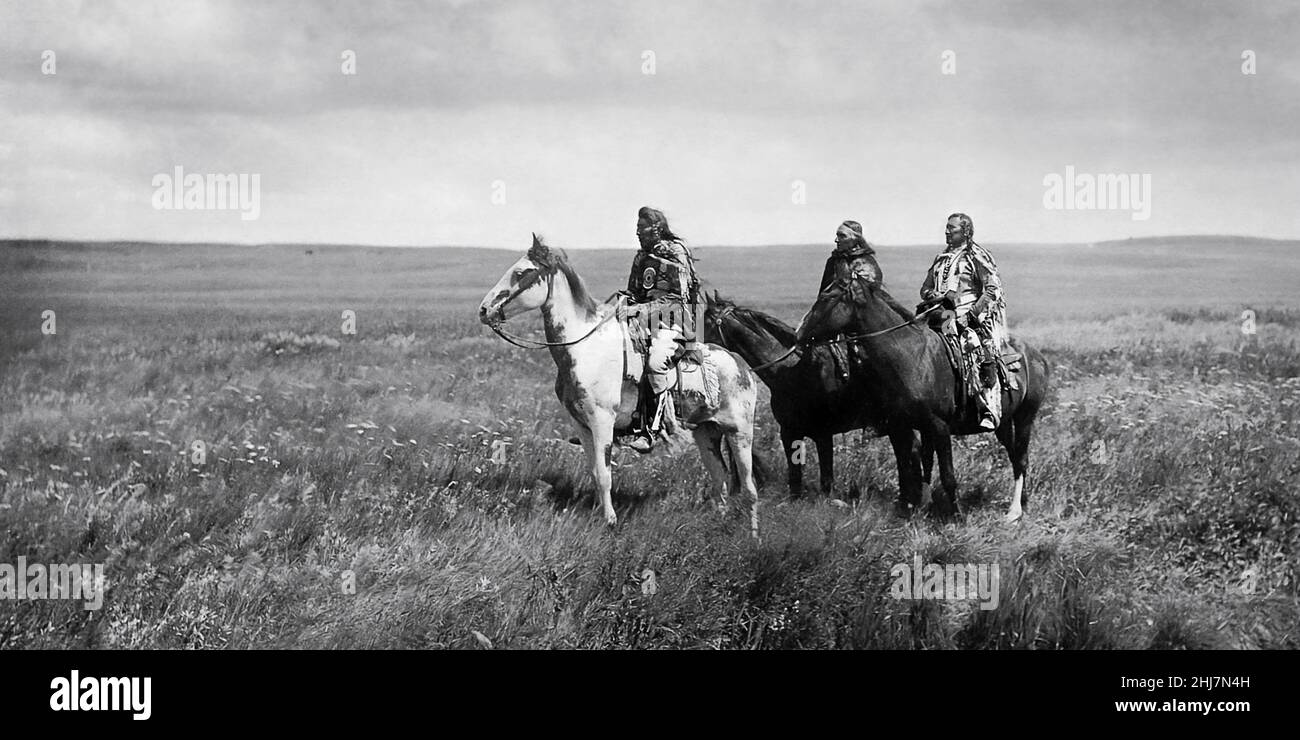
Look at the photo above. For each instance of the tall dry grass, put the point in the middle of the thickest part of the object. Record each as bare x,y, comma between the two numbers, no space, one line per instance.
350,496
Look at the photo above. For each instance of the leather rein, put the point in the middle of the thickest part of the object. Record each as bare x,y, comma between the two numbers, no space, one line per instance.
870,334
495,326
797,345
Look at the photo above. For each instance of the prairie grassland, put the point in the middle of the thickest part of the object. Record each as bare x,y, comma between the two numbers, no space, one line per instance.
350,496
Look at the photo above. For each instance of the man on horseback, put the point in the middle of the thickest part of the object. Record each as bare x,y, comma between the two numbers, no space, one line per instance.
851,258
964,279
663,282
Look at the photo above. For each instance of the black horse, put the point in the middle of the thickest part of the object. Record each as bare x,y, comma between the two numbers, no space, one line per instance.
912,386
809,398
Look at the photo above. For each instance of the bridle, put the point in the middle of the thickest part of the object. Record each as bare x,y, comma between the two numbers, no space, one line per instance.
721,316
526,284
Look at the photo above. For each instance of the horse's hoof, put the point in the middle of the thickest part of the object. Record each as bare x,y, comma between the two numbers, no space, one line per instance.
1012,517
942,510
903,509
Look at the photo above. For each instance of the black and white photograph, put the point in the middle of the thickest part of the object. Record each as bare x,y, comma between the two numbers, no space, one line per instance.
457,325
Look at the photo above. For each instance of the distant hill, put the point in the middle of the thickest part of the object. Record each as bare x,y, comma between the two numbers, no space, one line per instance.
1041,280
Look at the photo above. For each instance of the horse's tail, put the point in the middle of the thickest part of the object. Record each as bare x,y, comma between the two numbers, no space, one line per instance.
1045,370
1038,371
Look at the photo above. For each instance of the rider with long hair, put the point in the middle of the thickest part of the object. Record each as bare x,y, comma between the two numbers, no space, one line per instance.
965,279
663,275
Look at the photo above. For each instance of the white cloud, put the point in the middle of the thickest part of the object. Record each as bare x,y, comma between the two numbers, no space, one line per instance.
550,98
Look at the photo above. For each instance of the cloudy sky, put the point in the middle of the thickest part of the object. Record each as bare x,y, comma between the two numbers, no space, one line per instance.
547,106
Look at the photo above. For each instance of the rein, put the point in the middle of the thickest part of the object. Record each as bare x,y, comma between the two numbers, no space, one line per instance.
797,345
870,334
537,344
722,315
787,353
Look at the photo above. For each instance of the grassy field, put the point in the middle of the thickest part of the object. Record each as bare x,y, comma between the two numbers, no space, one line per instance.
350,498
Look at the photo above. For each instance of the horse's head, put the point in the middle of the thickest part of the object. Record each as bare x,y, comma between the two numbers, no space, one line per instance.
742,329
835,310
524,287
716,312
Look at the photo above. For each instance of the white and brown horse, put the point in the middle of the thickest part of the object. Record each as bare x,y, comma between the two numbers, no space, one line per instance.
587,342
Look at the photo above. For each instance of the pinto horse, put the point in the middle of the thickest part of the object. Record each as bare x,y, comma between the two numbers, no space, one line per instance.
587,342
914,387
809,398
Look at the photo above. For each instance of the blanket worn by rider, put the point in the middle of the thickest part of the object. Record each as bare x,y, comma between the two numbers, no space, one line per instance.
969,271
660,322
843,265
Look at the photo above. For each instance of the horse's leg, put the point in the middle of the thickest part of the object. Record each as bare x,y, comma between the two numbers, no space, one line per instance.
909,472
927,465
709,440
794,469
946,503
742,459
1006,435
598,441
826,463
1018,450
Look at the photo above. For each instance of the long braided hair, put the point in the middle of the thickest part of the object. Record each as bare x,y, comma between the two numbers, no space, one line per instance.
967,226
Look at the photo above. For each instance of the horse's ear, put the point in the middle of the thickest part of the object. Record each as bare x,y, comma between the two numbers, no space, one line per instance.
539,252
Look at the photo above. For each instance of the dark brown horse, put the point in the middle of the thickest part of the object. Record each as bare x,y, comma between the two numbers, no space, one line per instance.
912,386
809,398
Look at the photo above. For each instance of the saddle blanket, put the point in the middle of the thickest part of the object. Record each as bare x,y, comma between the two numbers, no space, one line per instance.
964,356
692,376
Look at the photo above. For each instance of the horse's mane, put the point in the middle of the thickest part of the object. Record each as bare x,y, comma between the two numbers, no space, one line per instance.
577,286
899,308
879,290
755,320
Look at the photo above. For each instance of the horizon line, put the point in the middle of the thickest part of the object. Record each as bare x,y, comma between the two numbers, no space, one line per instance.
355,245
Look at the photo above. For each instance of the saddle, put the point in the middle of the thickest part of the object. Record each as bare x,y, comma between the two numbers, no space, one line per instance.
694,372
965,364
